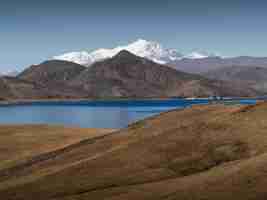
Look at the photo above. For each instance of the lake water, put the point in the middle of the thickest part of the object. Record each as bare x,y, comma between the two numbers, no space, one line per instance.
93,114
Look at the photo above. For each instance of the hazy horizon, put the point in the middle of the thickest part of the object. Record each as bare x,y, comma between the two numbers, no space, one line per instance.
32,31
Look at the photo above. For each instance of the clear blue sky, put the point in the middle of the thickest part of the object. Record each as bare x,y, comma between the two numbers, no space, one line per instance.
33,31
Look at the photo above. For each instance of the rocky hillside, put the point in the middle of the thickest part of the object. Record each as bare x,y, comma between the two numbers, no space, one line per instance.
16,88
127,75
54,77
132,76
52,72
254,77
204,152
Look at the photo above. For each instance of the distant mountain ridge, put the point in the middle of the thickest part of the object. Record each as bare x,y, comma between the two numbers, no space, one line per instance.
253,76
203,65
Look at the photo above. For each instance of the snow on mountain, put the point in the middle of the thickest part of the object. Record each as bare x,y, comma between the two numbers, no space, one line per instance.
11,73
151,50
143,48
196,55
200,55
82,58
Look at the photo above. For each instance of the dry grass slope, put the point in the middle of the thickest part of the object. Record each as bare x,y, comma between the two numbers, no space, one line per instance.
200,153
21,142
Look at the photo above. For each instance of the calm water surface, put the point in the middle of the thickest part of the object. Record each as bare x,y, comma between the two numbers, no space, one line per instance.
93,114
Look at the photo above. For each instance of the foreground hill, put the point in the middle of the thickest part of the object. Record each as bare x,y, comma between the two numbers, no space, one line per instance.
127,75
254,77
204,152
20,142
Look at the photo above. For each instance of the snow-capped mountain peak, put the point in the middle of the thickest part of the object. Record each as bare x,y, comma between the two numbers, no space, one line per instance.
143,48
153,51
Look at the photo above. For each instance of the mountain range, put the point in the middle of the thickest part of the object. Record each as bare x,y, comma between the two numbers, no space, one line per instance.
203,65
125,75
139,70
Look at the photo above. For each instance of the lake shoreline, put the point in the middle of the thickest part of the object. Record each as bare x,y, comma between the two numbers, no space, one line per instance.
82,100
97,113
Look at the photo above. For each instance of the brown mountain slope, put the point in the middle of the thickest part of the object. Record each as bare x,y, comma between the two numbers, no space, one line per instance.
52,72
204,152
254,77
16,88
127,75
54,76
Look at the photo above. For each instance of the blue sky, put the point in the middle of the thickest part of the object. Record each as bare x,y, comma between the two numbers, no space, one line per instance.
33,31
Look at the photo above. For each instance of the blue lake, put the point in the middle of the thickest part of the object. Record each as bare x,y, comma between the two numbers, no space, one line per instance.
94,114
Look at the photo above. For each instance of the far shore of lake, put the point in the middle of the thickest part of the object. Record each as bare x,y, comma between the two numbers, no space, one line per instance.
81,100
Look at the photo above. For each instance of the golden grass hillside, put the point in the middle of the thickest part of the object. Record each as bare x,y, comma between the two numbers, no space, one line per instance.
21,142
200,153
